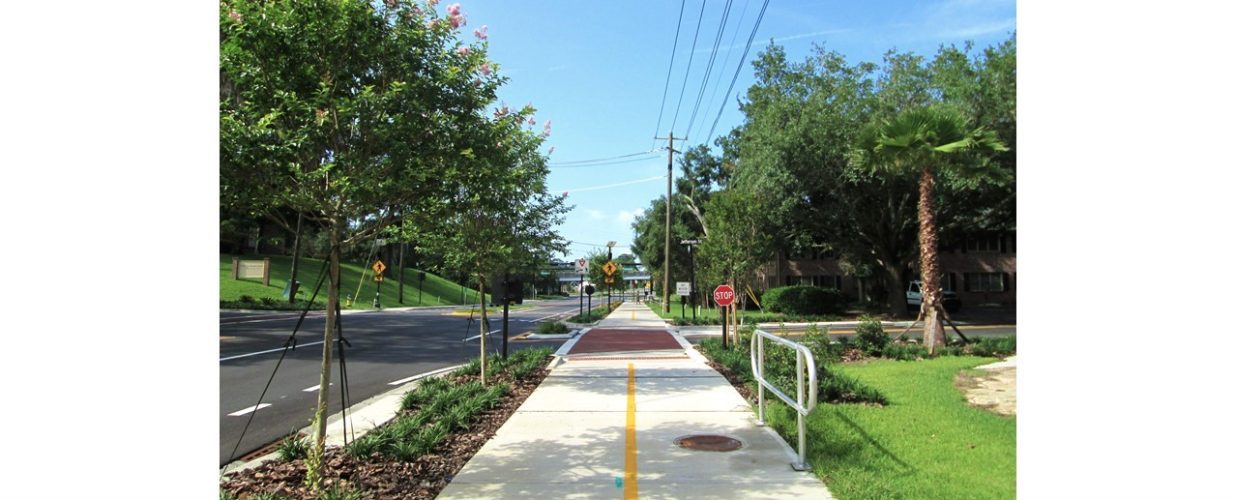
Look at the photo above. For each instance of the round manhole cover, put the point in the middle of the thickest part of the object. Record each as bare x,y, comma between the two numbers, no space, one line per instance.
708,442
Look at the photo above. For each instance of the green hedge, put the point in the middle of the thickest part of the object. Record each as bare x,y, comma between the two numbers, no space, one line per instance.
803,299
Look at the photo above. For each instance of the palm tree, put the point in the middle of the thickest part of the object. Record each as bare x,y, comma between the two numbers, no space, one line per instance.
927,141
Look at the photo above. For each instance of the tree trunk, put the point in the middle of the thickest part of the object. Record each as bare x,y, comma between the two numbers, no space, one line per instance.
896,290
484,331
319,418
291,284
932,333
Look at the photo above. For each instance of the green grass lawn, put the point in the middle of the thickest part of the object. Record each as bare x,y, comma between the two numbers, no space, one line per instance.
927,443
437,290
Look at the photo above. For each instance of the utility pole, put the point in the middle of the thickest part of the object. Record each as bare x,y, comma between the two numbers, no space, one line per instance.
668,218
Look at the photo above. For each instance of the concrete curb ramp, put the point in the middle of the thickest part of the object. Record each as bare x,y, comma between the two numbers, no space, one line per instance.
604,427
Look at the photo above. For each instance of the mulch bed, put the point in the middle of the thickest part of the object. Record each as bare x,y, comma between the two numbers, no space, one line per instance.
381,477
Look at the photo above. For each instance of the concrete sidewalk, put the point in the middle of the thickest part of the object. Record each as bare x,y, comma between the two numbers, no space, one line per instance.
604,424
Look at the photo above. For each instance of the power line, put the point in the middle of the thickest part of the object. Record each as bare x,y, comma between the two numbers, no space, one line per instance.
672,56
597,160
595,188
737,28
682,93
606,164
753,31
720,31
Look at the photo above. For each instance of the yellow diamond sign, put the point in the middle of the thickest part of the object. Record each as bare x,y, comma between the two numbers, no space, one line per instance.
610,268
378,267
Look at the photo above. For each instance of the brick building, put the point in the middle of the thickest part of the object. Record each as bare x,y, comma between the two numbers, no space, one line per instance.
981,269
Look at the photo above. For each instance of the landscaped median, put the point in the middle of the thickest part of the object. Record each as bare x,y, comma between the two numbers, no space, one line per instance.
442,423
598,312
885,428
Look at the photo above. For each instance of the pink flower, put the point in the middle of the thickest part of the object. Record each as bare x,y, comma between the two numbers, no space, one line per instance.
235,16
482,33
433,24
531,121
484,69
548,124
463,51
457,20
453,9
390,4
431,3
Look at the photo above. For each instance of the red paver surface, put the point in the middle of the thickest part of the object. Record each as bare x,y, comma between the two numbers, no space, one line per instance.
608,340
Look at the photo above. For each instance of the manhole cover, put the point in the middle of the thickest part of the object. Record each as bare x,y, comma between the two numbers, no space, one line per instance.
708,442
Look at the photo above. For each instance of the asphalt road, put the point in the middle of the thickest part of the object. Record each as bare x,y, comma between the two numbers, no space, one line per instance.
386,347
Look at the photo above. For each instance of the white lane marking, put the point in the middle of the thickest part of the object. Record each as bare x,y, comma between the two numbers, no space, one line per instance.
473,337
423,375
314,388
547,317
267,352
248,410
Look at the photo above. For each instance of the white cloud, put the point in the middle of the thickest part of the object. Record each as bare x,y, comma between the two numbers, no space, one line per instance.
596,214
624,217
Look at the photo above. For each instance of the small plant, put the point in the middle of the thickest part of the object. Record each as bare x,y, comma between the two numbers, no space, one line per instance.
293,446
994,346
427,390
366,446
340,492
226,495
471,368
269,302
247,299
870,338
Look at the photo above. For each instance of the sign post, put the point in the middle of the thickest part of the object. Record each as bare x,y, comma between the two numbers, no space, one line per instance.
589,289
724,295
581,268
378,267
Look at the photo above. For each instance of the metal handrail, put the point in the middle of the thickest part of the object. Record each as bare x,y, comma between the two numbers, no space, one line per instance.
802,403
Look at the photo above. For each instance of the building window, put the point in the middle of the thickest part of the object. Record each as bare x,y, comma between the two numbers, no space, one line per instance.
826,281
985,282
982,244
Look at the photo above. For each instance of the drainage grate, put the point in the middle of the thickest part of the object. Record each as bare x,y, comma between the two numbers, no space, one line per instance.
708,442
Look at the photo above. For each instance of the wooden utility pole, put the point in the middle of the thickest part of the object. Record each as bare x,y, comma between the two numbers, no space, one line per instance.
668,219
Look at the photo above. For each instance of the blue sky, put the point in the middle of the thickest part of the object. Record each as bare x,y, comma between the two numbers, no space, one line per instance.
598,71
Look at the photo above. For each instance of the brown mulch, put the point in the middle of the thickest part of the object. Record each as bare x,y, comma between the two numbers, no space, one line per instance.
380,477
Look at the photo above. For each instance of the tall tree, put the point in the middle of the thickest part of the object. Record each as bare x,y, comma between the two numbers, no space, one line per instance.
928,141
344,111
500,219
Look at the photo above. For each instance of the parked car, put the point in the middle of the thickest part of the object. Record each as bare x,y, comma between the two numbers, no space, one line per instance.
913,296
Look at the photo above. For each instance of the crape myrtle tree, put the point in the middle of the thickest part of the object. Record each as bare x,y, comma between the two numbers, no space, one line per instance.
345,112
500,218
929,141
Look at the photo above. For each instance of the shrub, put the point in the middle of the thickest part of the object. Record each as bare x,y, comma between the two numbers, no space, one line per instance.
552,327
247,299
293,446
994,346
802,299
269,302
870,338
904,351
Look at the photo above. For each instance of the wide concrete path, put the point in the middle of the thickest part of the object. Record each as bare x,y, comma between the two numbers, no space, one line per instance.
603,425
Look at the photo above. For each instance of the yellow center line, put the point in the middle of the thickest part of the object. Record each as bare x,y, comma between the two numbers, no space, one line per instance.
630,481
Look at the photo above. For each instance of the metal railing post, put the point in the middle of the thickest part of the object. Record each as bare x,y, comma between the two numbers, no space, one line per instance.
761,421
806,380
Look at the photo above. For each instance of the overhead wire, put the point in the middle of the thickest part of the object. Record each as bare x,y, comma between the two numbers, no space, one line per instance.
616,184
738,70
672,56
606,164
689,61
720,31
729,50
597,160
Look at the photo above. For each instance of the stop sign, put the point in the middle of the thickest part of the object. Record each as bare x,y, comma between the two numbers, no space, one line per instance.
723,295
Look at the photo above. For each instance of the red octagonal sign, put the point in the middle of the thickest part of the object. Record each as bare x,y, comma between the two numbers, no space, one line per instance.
723,295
